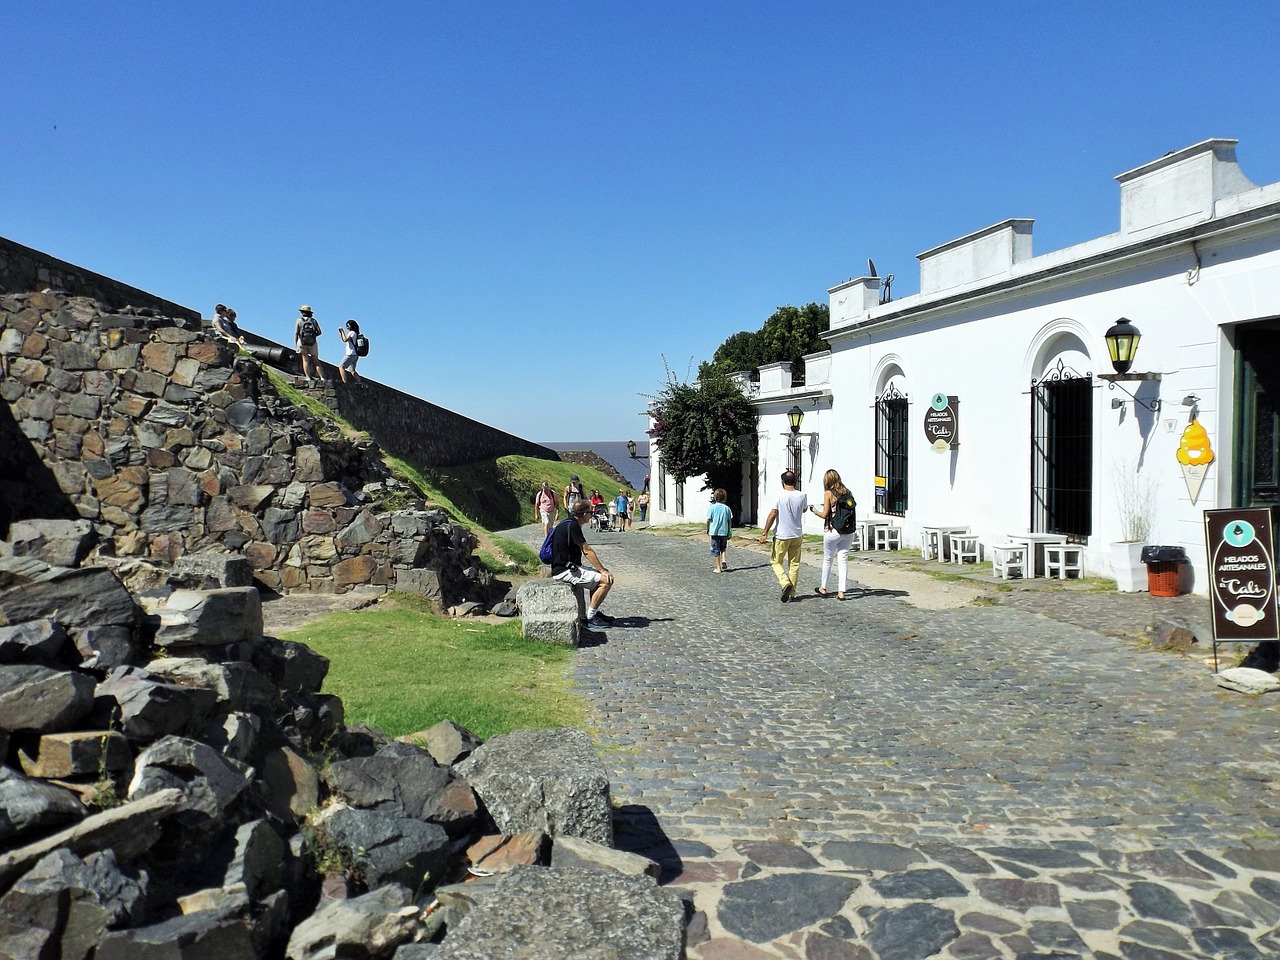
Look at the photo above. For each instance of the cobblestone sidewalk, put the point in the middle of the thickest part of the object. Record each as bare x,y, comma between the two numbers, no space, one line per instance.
871,780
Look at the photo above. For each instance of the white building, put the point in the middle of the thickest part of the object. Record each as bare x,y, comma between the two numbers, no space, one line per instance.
1046,441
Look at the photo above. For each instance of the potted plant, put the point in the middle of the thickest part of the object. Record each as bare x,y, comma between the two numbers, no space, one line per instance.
1135,495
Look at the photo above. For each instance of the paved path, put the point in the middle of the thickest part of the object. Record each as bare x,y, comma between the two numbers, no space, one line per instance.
868,779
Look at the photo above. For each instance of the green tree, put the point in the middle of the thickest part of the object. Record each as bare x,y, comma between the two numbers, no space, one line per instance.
742,351
791,332
702,427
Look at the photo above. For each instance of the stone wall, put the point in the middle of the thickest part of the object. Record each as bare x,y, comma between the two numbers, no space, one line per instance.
24,270
172,445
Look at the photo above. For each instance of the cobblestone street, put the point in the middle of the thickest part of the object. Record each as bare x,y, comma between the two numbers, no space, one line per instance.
872,779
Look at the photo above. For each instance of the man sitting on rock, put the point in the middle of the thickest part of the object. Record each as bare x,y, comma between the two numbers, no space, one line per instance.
568,544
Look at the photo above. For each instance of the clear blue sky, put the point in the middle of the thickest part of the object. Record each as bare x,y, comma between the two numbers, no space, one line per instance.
527,205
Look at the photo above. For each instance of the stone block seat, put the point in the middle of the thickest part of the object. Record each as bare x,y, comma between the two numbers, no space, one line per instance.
550,611
1063,559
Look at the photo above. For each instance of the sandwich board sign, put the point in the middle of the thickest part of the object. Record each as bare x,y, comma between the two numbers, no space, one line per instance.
1242,575
942,422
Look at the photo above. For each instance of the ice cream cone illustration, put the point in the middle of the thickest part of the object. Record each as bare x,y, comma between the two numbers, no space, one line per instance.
1194,454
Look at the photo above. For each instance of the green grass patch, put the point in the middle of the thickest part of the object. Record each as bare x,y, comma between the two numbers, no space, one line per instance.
523,557
401,669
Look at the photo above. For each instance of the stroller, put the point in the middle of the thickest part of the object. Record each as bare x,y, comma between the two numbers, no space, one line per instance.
600,519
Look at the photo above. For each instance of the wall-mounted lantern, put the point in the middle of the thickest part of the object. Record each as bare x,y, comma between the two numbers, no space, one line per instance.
795,417
1122,339
631,451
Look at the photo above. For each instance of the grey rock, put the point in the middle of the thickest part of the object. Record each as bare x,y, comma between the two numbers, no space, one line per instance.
542,781
1155,935
43,699
224,934
957,858
40,641
27,806
420,582
293,667
106,647
404,780
391,849
553,914
1247,680
775,853
447,742
143,708
128,830
60,543
918,930
206,571
1048,857
362,928
918,885
1094,914
210,617
504,608
761,910
1225,942
89,596
870,855
235,735
549,612
67,904
188,760
1019,895
574,853
1156,901
258,862
1056,935
237,685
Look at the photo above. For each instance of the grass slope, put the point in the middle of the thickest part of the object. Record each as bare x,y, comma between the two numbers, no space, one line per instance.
402,669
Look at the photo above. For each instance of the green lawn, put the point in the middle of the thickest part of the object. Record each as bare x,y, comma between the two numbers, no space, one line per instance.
401,670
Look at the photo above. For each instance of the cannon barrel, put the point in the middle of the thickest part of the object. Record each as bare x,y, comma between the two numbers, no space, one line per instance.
276,356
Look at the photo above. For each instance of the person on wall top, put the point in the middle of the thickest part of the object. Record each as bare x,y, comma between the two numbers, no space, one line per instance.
306,329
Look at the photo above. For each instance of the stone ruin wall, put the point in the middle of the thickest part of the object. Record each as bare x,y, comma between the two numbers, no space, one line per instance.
157,433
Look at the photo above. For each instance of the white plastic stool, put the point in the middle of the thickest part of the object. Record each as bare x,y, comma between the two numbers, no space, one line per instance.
888,538
1007,557
965,548
929,546
1063,559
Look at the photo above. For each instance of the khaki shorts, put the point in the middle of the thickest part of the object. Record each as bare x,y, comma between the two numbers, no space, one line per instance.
310,350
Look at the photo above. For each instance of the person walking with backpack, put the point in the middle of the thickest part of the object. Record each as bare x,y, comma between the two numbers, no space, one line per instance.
546,505
351,338
306,329
839,518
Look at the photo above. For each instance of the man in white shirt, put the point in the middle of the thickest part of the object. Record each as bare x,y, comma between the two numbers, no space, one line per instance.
789,513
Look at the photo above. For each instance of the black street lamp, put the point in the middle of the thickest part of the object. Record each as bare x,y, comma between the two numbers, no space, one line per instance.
1122,343
795,417
631,451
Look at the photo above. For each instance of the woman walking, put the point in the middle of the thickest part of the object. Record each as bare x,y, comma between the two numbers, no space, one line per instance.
834,543
349,334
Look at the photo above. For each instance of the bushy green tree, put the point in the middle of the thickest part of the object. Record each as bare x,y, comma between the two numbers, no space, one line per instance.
788,334
702,427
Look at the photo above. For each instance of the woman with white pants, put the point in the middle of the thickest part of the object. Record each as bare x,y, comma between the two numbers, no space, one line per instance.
834,543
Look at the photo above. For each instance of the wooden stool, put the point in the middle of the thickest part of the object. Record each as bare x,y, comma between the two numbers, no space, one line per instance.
965,548
1063,559
1007,557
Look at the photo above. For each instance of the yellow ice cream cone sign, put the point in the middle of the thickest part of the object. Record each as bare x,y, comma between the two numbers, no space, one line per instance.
1194,454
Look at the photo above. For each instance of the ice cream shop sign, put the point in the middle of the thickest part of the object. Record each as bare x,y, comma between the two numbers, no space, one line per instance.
942,422
1242,571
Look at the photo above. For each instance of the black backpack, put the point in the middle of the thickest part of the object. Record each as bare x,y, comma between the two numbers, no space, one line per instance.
362,345
845,517
308,330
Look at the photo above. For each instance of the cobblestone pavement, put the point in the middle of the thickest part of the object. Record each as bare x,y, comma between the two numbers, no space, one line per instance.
871,780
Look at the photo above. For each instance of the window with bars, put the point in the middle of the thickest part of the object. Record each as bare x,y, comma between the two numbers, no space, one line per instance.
1062,453
891,452
795,461
662,487
680,499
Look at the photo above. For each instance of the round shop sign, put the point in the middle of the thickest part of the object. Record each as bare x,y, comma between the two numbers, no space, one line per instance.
942,422
1244,575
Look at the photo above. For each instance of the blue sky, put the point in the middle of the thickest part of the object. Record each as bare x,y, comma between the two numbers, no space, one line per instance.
529,205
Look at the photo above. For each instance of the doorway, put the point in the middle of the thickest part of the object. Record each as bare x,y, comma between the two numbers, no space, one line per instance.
1258,414
1062,453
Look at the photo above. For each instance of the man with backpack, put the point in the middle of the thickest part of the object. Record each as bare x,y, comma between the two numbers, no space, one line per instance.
306,330
568,544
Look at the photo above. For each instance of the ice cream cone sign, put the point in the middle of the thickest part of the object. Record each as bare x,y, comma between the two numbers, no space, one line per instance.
1194,454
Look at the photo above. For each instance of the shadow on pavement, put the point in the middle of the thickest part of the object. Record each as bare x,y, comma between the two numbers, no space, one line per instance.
636,830
868,592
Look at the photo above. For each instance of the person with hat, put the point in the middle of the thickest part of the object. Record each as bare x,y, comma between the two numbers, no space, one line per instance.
572,493
305,332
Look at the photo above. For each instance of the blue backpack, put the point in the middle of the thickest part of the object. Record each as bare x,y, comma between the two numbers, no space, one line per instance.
544,553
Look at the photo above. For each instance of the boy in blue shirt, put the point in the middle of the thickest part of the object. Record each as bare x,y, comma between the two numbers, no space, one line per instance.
719,520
